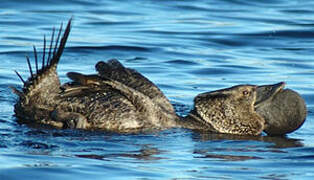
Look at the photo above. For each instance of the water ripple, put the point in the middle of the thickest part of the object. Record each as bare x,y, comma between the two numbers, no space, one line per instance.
112,47
185,47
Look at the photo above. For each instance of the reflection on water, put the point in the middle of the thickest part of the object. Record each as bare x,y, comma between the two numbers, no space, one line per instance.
186,48
145,153
226,157
231,153
276,141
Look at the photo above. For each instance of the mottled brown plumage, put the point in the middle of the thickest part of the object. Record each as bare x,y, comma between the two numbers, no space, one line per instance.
111,105
228,110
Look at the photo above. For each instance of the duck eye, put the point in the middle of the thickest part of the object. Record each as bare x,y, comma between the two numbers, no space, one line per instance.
245,93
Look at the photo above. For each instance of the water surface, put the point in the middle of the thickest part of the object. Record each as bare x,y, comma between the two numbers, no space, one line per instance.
185,47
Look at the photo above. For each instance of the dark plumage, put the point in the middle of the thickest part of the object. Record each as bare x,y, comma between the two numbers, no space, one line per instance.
116,99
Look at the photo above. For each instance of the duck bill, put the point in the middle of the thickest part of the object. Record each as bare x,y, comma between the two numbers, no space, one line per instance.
266,92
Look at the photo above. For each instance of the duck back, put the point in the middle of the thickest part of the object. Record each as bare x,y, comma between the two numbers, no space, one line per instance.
113,69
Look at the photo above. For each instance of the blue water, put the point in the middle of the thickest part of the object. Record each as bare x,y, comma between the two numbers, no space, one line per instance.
185,47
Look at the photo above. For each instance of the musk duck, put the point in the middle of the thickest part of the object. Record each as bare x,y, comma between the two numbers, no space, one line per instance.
122,100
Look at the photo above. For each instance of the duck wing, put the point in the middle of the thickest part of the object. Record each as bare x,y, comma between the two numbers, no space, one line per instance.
114,70
144,106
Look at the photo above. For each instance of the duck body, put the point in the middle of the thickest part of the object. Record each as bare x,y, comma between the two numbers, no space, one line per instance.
115,99
97,107
112,105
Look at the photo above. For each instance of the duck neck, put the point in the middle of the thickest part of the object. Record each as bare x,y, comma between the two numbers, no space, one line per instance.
191,121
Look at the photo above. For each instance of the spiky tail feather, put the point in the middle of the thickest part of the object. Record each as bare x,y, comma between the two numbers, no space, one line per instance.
44,82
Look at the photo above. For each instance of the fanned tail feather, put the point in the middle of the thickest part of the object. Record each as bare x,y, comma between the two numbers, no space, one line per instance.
45,81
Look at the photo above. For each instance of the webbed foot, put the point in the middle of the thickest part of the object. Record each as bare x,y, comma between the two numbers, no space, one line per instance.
70,120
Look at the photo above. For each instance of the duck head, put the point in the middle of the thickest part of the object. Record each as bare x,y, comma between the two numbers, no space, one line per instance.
284,110
248,110
229,110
